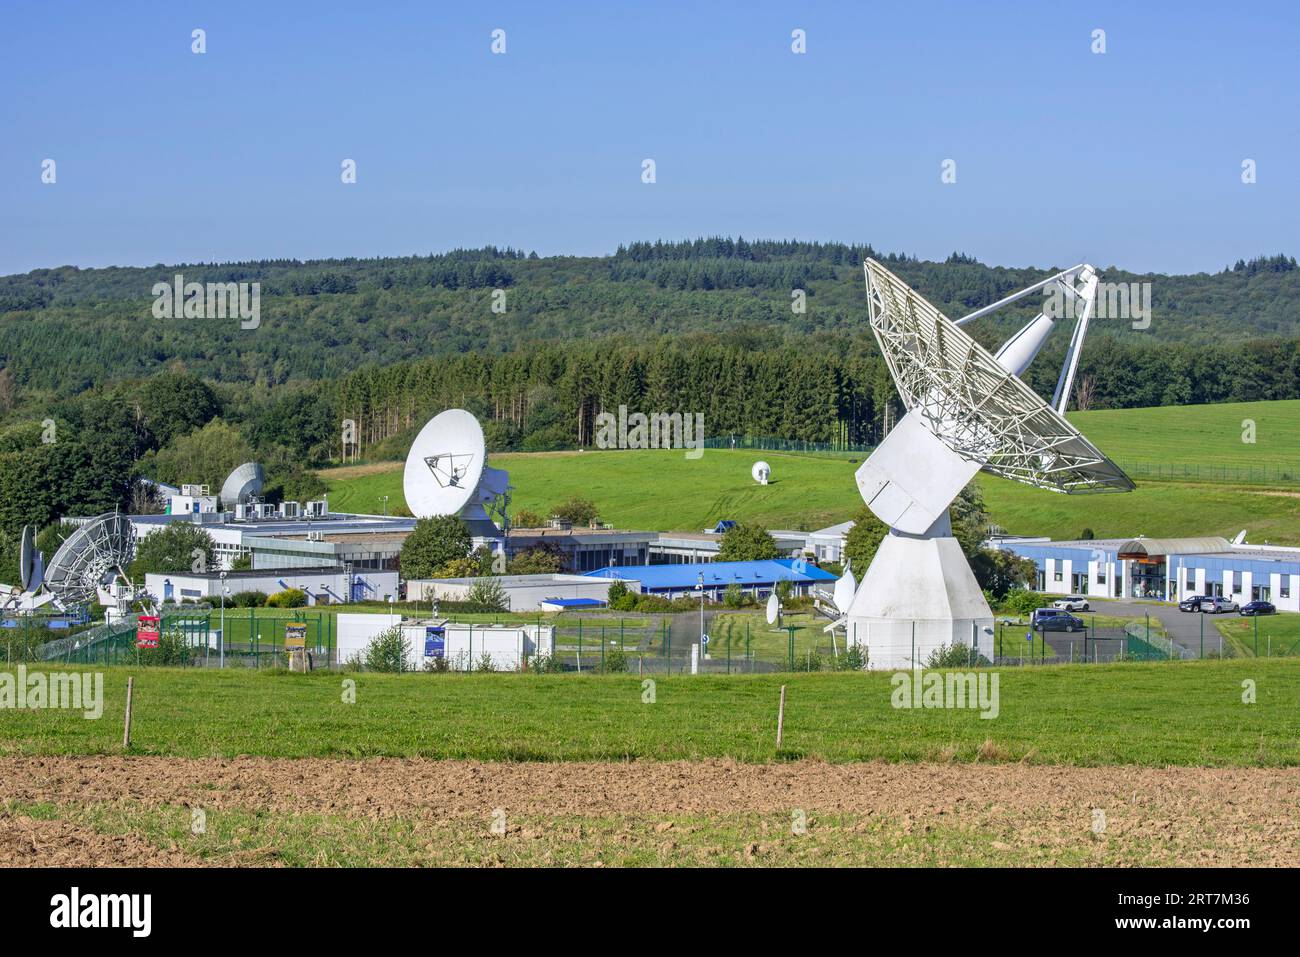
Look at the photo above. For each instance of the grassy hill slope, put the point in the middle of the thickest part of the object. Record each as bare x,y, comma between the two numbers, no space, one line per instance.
663,490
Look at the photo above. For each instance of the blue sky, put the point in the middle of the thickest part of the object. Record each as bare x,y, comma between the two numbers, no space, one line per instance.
1129,158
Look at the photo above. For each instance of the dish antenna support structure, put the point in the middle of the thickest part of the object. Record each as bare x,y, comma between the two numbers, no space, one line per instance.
91,563
447,474
967,411
761,472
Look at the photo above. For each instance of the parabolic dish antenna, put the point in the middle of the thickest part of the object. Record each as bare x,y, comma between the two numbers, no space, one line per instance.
447,473
844,589
30,571
92,557
243,483
967,410
773,608
761,472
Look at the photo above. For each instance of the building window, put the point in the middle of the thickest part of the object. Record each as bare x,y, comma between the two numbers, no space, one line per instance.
1284,586
1057,576
1236,583
1101,576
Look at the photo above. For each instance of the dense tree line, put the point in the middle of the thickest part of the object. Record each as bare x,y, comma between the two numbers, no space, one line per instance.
64,330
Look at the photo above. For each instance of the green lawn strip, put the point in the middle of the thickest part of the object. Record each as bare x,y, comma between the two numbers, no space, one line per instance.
1184,713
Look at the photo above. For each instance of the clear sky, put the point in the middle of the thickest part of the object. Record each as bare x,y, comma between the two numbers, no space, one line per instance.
1131,158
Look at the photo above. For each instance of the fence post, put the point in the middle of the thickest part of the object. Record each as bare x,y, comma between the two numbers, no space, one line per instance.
602,648
1255,618
1202,636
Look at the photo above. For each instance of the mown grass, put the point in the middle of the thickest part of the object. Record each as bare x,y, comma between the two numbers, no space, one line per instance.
643,489
1273,635
1186,713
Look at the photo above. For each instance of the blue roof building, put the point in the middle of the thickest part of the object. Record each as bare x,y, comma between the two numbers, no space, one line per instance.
756,577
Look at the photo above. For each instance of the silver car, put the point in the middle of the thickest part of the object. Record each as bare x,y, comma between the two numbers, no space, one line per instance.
1071,603
1214,606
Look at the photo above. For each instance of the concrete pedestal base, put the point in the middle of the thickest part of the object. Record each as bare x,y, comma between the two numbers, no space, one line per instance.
918,595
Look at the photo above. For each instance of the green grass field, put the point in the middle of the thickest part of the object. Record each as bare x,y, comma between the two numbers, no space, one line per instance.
1275,635
1188,713
663,490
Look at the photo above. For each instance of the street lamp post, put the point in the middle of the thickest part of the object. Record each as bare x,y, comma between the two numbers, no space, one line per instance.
384,499
221,647
700,587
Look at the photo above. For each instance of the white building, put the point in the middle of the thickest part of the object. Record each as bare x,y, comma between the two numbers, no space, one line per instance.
523,592
325,585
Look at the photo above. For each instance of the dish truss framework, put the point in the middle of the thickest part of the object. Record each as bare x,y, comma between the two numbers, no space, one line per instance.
967,410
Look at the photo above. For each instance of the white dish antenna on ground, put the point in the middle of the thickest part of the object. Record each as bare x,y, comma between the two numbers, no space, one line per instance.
31,566
761,472
92,558
967,410
773,608
447,474
242,484
845,588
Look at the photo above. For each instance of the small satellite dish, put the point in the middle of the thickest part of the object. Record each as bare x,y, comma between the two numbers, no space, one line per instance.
92,557
845,589
30,570
447,474
1241,538
773,608
761,472
242,484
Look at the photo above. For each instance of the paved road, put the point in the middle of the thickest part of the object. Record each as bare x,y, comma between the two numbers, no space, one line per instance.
1184,628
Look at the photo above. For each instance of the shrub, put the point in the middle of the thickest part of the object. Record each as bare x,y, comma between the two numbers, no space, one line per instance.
545,665
173,649
955,656
489,594
485,663
615,661
387,651
1022,601
289,598
248,599
854,659
808,661
576,511
733,596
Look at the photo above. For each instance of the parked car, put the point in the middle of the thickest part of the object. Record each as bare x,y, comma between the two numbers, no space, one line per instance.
1061,621
1258,608
1192,602
1216,605
1071,603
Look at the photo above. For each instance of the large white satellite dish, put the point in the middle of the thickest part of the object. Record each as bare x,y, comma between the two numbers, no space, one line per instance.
773,608
447,473
967,410
761,472
244,483
92,558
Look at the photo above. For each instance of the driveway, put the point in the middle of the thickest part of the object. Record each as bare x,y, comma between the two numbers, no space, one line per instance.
1183,628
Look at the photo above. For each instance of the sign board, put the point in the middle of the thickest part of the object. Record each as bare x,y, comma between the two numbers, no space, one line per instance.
147,631
295,635
435,642
704,640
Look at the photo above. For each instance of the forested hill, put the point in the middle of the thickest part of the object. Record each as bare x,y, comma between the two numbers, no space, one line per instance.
63,330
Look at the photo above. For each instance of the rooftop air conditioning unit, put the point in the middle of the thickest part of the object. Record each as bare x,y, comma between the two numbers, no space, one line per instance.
265,510
560,523
317,509
289,509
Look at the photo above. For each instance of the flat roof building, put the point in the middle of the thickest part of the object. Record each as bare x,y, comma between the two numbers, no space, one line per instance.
1164,569
756,577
